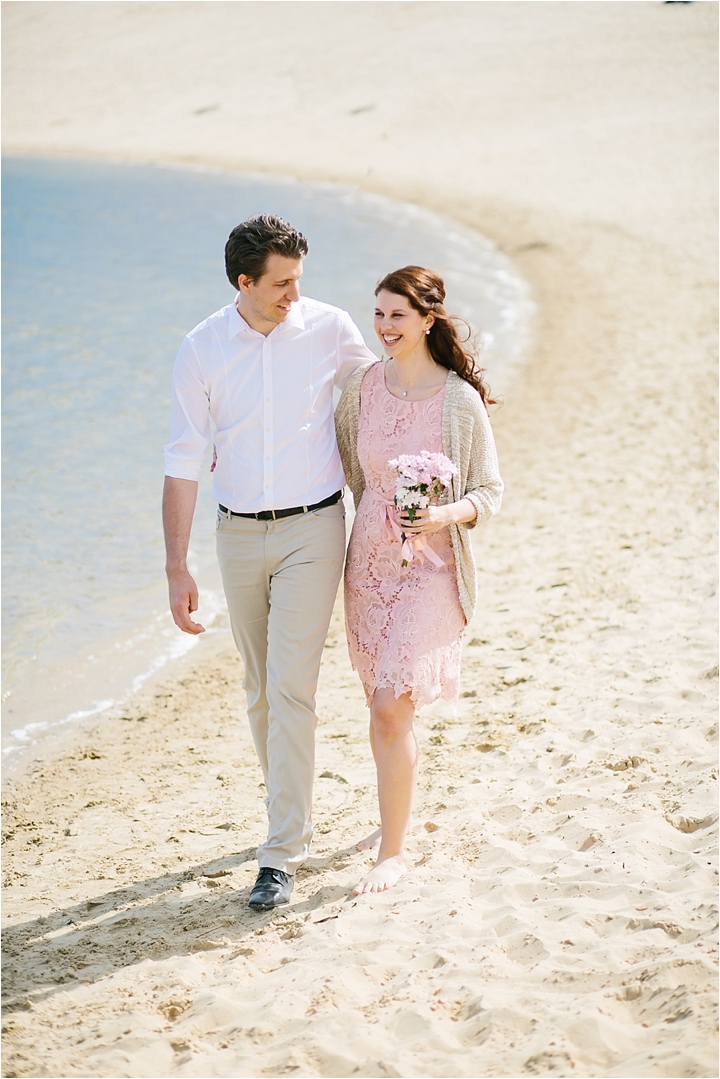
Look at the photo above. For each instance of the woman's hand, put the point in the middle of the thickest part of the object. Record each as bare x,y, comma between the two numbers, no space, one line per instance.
434,518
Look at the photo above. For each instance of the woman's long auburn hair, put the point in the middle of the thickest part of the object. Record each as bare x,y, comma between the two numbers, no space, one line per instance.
425,292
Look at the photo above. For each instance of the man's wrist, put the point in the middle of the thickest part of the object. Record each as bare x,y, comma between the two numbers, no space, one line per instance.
174,569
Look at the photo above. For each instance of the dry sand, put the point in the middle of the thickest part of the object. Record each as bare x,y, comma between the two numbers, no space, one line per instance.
558,918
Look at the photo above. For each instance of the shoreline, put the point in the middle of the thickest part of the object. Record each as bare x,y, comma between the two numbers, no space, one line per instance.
85,676
558,913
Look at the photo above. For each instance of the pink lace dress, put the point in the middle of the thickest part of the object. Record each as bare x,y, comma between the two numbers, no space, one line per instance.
404,626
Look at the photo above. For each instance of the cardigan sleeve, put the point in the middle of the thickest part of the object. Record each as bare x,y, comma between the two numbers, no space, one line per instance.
483,486
347,422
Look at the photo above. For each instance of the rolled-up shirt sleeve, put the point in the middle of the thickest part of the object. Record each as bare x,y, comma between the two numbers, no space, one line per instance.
352,352
189,417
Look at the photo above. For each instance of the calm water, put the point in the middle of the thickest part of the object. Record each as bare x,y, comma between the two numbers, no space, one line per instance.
105,268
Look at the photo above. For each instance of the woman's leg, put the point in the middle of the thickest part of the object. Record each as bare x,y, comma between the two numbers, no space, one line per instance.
396,757
374,838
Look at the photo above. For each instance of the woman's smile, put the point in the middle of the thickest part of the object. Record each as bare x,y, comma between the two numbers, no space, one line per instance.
390,339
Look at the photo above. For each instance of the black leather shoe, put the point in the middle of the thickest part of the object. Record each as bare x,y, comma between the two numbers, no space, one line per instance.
272,889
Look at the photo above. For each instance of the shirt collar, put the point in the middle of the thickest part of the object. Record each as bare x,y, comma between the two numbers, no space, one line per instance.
294,323
236,323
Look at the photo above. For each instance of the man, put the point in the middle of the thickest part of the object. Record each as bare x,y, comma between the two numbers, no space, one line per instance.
263,369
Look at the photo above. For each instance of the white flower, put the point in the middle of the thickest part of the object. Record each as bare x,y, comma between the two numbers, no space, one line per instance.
422,477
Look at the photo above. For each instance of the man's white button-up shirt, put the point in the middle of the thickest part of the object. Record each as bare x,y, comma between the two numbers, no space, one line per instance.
271,404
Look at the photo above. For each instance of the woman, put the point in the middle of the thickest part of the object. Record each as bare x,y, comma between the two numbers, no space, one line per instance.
405,625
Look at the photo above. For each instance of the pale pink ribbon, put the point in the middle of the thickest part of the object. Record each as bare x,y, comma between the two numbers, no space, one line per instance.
412,546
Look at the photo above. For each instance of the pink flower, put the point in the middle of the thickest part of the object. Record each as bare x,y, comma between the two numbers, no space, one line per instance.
423,469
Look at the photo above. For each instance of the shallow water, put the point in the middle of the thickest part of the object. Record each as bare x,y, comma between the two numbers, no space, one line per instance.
105,268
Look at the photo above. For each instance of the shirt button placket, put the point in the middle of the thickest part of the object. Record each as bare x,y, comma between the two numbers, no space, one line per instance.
267,425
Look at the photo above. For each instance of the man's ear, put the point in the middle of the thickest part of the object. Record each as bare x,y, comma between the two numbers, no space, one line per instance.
244,283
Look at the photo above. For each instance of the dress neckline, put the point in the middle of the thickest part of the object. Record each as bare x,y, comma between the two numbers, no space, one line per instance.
404,400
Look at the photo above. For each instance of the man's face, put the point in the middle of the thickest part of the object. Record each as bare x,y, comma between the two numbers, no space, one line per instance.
266,302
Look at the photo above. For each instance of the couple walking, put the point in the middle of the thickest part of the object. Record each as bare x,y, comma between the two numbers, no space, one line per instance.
264,369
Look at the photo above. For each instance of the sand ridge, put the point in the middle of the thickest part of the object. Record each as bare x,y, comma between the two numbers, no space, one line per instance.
559,914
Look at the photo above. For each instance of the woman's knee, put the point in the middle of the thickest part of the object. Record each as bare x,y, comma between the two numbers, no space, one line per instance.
390,720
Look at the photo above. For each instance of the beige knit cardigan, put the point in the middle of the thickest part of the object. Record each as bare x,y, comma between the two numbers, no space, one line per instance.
468,442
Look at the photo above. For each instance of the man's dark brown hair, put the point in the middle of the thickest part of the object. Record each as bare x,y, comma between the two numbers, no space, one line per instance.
250,243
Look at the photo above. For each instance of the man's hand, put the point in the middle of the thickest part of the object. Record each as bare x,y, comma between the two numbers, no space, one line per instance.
178,507
184,601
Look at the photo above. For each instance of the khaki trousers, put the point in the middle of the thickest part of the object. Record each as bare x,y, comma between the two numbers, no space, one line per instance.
280,580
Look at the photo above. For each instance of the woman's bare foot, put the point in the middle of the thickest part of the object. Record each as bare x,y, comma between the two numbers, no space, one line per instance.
374,838
369,841
383,875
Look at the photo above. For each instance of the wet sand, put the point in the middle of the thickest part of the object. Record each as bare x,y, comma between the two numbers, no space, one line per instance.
558,917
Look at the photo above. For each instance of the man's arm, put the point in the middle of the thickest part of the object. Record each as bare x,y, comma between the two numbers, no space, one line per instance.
190,433
179,498
352,352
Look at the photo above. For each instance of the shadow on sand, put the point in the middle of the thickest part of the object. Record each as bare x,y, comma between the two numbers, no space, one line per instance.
147,920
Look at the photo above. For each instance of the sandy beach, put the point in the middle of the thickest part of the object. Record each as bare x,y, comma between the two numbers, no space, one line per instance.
559,915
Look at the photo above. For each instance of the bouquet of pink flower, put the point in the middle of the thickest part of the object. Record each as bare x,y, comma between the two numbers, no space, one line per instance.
422,477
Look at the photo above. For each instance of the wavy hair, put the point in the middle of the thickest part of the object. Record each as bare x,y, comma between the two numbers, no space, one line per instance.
425,292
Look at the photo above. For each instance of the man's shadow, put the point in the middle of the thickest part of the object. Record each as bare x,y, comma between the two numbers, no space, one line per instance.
149,919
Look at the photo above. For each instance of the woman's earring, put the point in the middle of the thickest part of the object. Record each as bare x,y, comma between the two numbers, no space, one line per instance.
427,331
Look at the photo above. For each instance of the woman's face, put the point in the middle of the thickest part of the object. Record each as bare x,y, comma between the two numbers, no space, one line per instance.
399,326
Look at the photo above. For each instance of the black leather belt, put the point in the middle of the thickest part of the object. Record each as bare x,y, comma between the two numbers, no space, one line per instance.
275,515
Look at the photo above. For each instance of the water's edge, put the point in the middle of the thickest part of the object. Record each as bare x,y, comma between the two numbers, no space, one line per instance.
486,289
